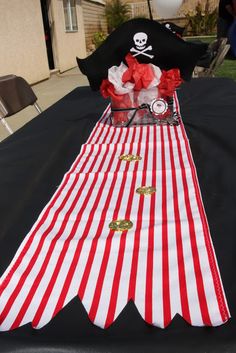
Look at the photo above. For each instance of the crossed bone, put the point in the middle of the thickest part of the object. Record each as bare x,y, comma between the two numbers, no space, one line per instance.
142,52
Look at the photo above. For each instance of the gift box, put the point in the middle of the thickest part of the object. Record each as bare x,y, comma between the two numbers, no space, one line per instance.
140,93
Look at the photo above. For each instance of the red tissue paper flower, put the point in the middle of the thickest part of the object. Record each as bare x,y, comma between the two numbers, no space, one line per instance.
108,90
138,77
140,74
170,80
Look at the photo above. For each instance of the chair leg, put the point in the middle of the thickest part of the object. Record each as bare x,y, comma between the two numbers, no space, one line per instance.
3,121
37,107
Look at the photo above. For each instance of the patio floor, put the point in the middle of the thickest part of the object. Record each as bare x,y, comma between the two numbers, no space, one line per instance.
48,92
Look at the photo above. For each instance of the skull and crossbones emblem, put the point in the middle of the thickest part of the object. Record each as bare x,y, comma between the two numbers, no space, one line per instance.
140,42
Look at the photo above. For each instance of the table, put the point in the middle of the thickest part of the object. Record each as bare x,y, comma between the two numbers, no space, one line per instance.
33,162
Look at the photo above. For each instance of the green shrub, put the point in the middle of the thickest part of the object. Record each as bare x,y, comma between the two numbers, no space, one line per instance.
204,21
98,38
116,13
210,21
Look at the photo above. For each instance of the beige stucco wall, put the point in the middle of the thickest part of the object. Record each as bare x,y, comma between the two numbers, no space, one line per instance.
22,44
66,45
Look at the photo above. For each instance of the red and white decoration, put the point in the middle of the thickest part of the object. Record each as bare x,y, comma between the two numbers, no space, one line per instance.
136,84
166,263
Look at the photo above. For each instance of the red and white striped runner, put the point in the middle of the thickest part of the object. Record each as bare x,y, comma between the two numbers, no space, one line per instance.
166,263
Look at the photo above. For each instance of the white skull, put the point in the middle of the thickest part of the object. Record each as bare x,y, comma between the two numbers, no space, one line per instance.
140,40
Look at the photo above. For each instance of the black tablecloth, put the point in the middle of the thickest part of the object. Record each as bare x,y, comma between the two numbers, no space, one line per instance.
32,164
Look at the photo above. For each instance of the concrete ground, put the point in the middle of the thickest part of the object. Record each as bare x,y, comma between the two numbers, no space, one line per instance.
48,92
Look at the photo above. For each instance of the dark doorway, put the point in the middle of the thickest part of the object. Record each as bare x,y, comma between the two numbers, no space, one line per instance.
47,33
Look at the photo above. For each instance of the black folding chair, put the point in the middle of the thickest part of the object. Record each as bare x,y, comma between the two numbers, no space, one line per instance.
15,95
218,50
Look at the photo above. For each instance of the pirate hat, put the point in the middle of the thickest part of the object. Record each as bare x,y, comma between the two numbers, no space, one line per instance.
174,28
149,42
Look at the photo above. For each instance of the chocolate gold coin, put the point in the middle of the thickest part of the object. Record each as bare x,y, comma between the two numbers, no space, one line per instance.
130,158
146,190
120,225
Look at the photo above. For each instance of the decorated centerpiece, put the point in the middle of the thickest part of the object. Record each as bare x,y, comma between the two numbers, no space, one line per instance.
139,67
141,93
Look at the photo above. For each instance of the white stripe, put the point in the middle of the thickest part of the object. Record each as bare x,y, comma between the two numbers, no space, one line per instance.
158,319
89,292
140,289
203,255
69,255
109,216
86,216
194,308
216,268
33,247
37,267
36,239
127,261
175,302
108,280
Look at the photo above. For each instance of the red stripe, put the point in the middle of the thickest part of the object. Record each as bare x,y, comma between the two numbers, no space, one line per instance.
112,137
195,255
33,260
165,249
178,231
93,248
40,222
150,253
96,142
119,264
43,268
123,133
106,119
89,263
61,257
60,260
37,252
77,253
102,272
43,219
46,212
45,215
38,278
212,261
97,127
134,266
105,137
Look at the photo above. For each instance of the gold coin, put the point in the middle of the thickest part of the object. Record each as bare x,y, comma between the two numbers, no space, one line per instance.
146,190
121,225
130,158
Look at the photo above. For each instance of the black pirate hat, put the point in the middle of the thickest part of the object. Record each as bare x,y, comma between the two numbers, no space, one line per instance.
149,42
174,28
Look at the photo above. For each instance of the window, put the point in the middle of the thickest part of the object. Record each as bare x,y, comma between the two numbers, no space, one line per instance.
70,15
